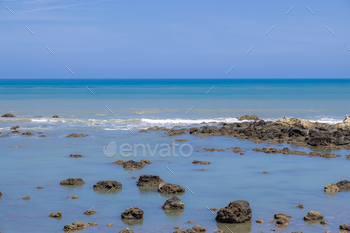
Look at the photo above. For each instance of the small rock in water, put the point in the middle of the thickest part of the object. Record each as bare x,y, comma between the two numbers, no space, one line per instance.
178,227
107,184
72,181
235,212
75,156
28,134
8,115
265,172
75,135
331,188
260,221
42,136
300,206
126,230
313,215
0,193
109,225
344,185
55,116
214,209
345,227
149,180
78,226
75,197
67,196
282,219
173,203
26,198
198,228
14,127
56,215
324,223
132,213
90,212
40,133
170,188
190,222
201,162
134,178
39,187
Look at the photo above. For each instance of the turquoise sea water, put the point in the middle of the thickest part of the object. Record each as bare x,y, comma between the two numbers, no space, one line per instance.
28,162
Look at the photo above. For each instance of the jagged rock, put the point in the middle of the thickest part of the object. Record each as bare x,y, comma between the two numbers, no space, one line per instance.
198,228
8,115
55,116
345,227
292,122
90,212
107,184
170,188
173,203
344,185
126,230
78,226
201,162
75,156
236,212
56,215
331,188
28,134
75,135
249,117
15,131
313,215
72,181
132,213
149,180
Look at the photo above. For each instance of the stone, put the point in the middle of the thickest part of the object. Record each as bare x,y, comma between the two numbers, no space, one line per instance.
126,230
119,162
282,219
313,215
0,193
173,203
345,227
189,221
170,188
236,212
178,227
214,209
132,213
75,156
39,187
15,127
331,188
8,115
78,226
75,135
295,122
249,117
75,197
56,215
344,185
107,184
28,134
90,212
300,206
55,116
149,180
201,162
198,228
72,181
145,161
26,198
324,223
109,225
260,221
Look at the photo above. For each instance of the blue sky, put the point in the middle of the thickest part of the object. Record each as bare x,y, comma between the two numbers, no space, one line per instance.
174,39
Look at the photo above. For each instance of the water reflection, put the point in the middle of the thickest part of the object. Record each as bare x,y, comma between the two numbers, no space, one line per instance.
245,227
133,222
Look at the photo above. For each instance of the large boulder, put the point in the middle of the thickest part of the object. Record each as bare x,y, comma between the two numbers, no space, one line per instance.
173,203
249,117
72,181
132,213
344,185
331,188
149,180
170,188
8,115
295,122
78,226
236,212
107,184
313,215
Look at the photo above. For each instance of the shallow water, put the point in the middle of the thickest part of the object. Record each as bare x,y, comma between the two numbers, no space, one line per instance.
292,179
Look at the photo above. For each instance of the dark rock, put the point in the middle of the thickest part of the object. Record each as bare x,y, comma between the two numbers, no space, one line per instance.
282,220
42,136
201,162
8,115
78,226
345,227
39,187
212,149
15,131
249,117
72,181
107,184
14,127
132,213
300,206
133,164
344,185
235,212
56,215
90,212
0,193
313,215
260,221
40,132
149,180
324,223
55,116
28,134
75,156
75,135
26,198
170,188
198,228
173,203
74,197
145,161
119,162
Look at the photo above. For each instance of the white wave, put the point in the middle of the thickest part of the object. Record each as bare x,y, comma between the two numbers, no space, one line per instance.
189,121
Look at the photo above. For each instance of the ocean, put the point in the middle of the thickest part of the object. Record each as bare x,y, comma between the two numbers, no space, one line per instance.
112,112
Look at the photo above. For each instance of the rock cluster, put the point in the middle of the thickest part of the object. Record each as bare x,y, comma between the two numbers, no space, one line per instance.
236,212
149,180
287,151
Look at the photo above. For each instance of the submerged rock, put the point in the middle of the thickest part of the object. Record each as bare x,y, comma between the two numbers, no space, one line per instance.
28,134
331,188
201,162
173,203
90,212
15,127
132,213
236,212
300,206
75,135
344,185
170,188
119,162
26,198
56,215
8,115
75,156
313,215
78,226
72,181
149,180
107,184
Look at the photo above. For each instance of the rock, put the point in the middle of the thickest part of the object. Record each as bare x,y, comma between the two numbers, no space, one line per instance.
149,180
134,178
55,116
40,132
348,157
8,115
331,188
219,231
260,221
345,227
78,226
145,161
297,232
132,213
249,117
173,203
189,221
39,187
107,184
75,156
119,162
131,164
109,225
201,162
214,209
198,228
15,131
179,231
126,230
72,181
179,140
295,122
56,215
344,185
90,212
207,149
170,188
75,135
178,227
300,206
28,134
275,229
282,220
236,212
324,223
75,197
42,136
265,172
15,127
26,198
313,215
326,232
0,193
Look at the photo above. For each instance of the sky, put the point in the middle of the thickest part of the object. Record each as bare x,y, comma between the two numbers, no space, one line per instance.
174,39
